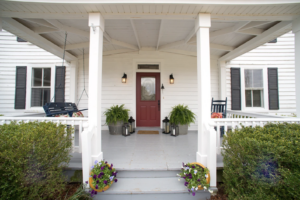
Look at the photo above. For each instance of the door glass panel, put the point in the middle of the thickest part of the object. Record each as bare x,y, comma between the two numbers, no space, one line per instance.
148,89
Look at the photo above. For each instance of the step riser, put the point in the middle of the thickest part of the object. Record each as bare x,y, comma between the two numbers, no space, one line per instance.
157,196
133,174
147,174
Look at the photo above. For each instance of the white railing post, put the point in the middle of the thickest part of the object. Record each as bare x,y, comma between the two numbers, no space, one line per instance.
296,31
86,152
212,156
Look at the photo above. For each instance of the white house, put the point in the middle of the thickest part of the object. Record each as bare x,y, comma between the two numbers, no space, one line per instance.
200,43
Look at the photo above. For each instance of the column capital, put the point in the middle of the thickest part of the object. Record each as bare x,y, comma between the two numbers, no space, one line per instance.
96,20
203,20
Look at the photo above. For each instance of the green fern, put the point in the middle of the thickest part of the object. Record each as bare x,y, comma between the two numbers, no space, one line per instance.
182,114
116,113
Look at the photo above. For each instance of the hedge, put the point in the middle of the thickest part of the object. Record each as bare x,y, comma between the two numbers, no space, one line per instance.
32,156
263,162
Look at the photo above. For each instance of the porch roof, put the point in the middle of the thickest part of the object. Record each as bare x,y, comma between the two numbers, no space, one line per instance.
167,26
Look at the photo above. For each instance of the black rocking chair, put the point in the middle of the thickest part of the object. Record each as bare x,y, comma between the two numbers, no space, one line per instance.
219,106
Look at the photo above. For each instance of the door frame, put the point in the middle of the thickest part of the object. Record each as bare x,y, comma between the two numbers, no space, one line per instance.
135,70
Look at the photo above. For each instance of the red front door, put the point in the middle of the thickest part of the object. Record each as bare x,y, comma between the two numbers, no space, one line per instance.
147,99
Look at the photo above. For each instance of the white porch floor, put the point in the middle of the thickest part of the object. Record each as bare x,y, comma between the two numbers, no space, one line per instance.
147,151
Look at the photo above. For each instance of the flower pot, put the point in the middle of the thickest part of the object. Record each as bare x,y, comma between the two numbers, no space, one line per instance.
99,190
183,129
208,175
115,129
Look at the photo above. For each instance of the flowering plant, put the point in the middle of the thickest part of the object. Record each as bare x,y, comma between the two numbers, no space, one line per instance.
216,115
102,176
194,175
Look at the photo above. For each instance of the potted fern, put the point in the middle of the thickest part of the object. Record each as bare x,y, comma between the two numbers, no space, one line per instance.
116,116
182,116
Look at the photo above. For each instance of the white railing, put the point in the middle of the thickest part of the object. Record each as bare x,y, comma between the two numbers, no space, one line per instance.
75,122
238,114
216,126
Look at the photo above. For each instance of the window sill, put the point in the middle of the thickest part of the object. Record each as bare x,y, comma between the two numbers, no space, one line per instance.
35,110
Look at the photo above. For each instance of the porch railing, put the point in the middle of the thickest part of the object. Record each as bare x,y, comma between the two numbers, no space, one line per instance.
77,123
239,114
215,127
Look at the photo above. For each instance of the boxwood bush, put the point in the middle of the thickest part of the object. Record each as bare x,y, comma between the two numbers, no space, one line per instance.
263,162
32,156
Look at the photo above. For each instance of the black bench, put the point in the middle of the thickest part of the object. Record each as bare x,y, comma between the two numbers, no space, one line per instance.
53,108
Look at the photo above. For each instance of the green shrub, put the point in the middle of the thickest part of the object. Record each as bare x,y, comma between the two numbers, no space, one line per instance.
116,113
263,163
181,114
32,156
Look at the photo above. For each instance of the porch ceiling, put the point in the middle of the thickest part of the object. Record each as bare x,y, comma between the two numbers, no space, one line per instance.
133,27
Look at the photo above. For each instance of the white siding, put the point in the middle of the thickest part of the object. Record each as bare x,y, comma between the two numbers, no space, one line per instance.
184,91
12,54
279,55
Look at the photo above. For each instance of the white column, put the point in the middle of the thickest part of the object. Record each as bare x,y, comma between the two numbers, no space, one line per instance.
296,31
96,24
203,75
222,80
73,81
0,24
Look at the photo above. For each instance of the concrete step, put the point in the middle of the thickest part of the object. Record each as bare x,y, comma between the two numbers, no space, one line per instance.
150,188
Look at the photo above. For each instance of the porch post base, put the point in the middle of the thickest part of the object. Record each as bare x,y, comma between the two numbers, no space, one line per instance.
214,189
201,159
98,157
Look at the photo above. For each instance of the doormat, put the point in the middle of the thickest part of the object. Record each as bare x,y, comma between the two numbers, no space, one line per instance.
148,132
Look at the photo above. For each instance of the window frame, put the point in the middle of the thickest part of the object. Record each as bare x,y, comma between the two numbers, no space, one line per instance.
29,86
265,96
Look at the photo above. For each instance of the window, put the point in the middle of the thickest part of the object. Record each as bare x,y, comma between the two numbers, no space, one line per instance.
40,86
254,87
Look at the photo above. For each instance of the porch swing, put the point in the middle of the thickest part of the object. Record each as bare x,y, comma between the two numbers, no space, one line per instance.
54,109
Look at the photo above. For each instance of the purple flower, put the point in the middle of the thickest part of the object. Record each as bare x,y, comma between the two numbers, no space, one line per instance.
193,189
182,164
194,193
193,166
105,162
186,183
105,182
95,192
187,168
190,177
184,177
92,192
86,182
97,181
95,176
189,190
111,165
102,168
116,180
96,161
109,168
101,173
92,167
198,180
97,187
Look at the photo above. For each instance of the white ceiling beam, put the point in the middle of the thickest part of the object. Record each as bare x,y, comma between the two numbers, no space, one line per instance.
40,22
221,47
76,46
273,32
255,24
171,45
135,33
123,44
190,35
118,51
252,31
231,29
40,30
25,33
186,53
69,29
170,16
159,33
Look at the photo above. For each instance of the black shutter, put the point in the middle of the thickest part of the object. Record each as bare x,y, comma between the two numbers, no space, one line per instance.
20,93
235,89
273,88
60,84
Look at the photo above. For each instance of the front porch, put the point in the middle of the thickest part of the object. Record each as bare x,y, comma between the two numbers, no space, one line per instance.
148,152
